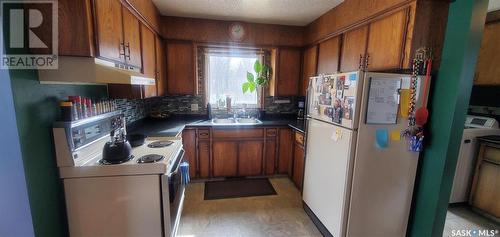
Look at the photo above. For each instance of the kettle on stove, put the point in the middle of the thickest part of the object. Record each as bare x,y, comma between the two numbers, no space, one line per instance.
118,150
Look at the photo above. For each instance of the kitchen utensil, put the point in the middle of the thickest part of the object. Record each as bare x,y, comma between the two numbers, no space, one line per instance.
136,140
422,114
116,152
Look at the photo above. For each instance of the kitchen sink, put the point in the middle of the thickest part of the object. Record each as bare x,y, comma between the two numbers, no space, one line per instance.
239,121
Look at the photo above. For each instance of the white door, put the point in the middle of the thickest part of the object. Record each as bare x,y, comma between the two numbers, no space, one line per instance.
326,182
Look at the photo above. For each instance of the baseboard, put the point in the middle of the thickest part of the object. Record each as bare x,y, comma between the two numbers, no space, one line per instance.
322,229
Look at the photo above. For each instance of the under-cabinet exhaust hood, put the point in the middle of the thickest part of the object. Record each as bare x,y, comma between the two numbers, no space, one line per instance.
86,70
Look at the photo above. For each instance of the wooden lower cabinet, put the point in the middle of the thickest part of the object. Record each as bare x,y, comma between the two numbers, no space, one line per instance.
250,158
189,143
204,159
485,191
285,150
270,157
225,158
298,165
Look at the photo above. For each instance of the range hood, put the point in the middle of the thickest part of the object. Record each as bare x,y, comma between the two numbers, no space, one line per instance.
86,70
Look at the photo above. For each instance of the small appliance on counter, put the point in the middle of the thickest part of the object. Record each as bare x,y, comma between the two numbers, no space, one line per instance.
300,111
109,184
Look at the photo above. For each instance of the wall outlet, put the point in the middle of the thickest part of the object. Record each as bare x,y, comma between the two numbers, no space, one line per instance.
194,107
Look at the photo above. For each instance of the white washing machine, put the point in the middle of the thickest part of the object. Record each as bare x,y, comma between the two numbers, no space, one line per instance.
475,126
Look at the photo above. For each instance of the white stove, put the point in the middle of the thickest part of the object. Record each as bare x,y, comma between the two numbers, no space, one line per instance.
100,198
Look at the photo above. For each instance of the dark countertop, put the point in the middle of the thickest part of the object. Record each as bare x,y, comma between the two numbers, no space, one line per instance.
490,139
172,127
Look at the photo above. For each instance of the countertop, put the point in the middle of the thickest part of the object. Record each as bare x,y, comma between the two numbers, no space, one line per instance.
491,139
172,127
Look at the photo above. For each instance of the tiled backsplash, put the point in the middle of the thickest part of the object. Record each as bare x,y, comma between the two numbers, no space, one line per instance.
181,105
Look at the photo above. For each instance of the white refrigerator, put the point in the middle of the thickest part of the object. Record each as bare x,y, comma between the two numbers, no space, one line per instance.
359,173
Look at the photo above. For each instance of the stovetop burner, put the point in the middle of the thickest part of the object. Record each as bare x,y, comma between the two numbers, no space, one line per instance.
106,162
160,144
151,158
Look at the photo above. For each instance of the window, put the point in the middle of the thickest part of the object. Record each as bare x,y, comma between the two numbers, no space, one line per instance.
225,73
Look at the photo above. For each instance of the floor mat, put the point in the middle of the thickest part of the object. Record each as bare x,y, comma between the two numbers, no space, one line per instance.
235,188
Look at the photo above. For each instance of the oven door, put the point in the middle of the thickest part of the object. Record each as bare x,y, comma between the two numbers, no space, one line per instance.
173,195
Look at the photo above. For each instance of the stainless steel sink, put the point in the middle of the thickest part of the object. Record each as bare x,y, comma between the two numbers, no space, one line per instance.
239,121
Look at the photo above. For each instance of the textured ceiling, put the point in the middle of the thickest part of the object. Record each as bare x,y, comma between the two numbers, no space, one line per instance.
494,5
283,12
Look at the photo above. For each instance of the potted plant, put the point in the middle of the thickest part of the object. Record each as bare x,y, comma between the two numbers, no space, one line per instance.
260,79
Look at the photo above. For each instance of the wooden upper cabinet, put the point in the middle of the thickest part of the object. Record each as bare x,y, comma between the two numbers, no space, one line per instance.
309,64
386,42
131,38
78,38
328,56
180,68
108,15
288,72
161,67
148,59
353,47
487,69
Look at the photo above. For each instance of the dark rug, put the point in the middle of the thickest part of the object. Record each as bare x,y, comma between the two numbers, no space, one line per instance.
235,188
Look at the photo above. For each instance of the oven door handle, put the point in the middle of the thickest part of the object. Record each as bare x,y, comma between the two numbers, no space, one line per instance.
177,163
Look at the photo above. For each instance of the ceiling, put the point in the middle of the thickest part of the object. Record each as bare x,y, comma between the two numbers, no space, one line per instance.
283,12
494,5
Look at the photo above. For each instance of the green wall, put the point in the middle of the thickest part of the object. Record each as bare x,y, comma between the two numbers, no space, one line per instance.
36,108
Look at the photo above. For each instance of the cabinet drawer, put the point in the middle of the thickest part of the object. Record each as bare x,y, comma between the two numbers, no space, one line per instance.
239,133
203,133
492,154
271,132
299,138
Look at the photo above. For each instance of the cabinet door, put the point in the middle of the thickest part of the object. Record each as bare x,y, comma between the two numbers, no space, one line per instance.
189,143
487,70
309,63
298,165
148,59
285,151
353,46
180,68
270,157
250,155
204,158
132,38
288,72
386,42
161,71
487,189
124,91
225,158
109,32
328,56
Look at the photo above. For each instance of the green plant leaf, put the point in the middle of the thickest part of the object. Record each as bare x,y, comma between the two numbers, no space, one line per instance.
250,77
251,87
260,80
245,86
257,66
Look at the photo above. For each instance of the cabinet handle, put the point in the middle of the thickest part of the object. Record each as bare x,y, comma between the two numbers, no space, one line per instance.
122,46
128,50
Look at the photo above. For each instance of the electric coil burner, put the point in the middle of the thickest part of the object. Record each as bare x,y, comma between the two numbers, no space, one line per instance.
151,158
160,144
107,162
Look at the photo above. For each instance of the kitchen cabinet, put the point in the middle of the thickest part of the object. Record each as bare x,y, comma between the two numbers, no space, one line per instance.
309,63
161,72
109,30
78,38
353,47
225,158
148,59
285,151
485,191
131,39
270,156
250,154
298,160
487,70
204,158
288,72
189,143
328,56
125,91
181,79
386,42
